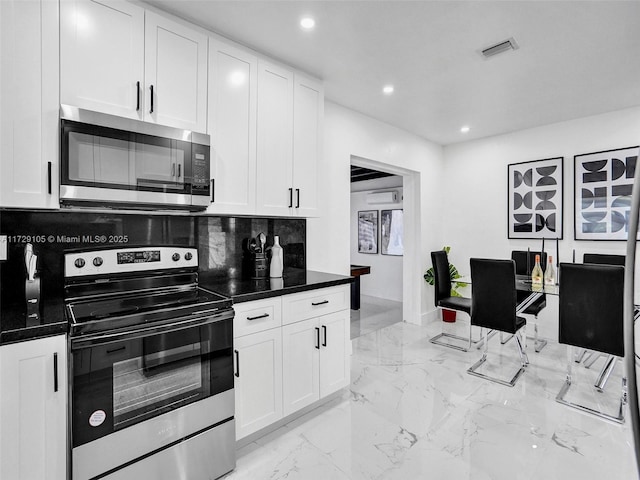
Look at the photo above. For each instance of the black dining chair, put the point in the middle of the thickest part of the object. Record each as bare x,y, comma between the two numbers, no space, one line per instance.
524,266
493,307
607,368
591,305
603,259
443,299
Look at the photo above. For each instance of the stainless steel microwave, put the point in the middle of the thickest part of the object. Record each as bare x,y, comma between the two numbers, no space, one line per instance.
115,162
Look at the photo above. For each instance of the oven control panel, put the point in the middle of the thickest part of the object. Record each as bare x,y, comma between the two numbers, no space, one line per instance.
123,260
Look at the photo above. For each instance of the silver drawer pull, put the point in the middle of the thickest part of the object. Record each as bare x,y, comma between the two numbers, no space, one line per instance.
315,304
264,315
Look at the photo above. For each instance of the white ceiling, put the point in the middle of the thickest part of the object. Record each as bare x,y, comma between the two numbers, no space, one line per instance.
576,58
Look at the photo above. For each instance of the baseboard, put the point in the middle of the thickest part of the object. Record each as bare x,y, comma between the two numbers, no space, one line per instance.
243,442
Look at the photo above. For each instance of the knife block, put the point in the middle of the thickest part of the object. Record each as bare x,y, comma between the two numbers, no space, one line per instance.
32,297
259,266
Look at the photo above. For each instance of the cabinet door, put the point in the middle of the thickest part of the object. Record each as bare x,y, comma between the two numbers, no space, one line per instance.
29,104
301,360
33,432
233,84
308,113
258,383
176,73
334,353
275,140
102,56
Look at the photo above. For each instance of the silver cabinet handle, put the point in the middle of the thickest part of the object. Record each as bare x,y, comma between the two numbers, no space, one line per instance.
264,315
237,373
315,304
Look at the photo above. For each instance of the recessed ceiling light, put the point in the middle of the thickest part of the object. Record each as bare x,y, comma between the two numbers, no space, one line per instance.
307,23
387,89
465,129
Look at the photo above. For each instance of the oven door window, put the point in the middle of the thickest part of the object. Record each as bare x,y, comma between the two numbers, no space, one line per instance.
122,383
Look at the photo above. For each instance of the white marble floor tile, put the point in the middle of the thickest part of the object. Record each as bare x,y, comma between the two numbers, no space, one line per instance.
374,314
412,412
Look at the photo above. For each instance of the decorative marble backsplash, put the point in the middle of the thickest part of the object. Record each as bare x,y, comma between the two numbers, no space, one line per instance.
219,240
223,242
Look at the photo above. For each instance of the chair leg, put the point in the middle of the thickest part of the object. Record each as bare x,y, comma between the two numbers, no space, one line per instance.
591,359
502,339
580,353
538,343
437,340
524,359
604,374
509,383
479,343
560,398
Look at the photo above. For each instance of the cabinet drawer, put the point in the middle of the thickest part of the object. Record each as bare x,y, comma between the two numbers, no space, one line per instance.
252,317
301,306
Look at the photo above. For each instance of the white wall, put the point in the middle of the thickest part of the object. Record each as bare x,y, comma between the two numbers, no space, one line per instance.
385,279
475,175
348,133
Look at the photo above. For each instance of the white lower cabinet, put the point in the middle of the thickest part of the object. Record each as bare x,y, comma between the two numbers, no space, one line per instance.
33,409
315,359
285,360
258,383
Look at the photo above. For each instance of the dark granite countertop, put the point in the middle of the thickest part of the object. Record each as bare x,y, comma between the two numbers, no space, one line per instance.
13,322
13,325
294,281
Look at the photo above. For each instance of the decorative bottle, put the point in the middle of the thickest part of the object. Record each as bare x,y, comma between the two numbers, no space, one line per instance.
277,264
550,273
536,273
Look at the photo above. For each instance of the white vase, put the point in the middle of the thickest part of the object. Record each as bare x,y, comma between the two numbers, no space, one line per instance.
277,263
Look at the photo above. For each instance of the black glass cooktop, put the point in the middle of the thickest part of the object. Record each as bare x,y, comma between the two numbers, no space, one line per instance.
114,311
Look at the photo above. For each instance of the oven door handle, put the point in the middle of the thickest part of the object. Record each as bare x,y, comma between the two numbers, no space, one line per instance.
202,318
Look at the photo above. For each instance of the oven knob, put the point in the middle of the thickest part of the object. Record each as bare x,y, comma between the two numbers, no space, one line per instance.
79,263
175,257
97,261
188,256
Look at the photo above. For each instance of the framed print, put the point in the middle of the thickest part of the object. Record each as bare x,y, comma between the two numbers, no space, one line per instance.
391,232
368,231
535,199
602,193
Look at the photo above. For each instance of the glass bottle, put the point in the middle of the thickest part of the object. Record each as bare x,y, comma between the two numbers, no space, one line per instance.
550,273
536,273
276,267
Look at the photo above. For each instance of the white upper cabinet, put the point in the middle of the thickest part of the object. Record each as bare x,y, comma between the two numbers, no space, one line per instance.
275,140
175,74
119,59
233,85
102,56
308,115
29,103
290,114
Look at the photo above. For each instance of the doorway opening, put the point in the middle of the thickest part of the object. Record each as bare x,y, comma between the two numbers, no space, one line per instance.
384,226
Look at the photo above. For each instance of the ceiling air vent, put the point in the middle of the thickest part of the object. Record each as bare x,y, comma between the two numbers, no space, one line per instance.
509,44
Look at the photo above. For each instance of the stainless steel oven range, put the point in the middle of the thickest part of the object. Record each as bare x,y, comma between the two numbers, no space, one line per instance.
151,367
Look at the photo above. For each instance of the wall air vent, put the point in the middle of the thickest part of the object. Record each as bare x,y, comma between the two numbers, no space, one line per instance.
505,46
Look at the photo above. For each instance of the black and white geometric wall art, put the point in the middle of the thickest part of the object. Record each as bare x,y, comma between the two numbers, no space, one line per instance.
368,231
602,193
535,199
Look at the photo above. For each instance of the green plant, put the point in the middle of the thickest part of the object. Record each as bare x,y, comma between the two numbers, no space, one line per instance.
430,277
